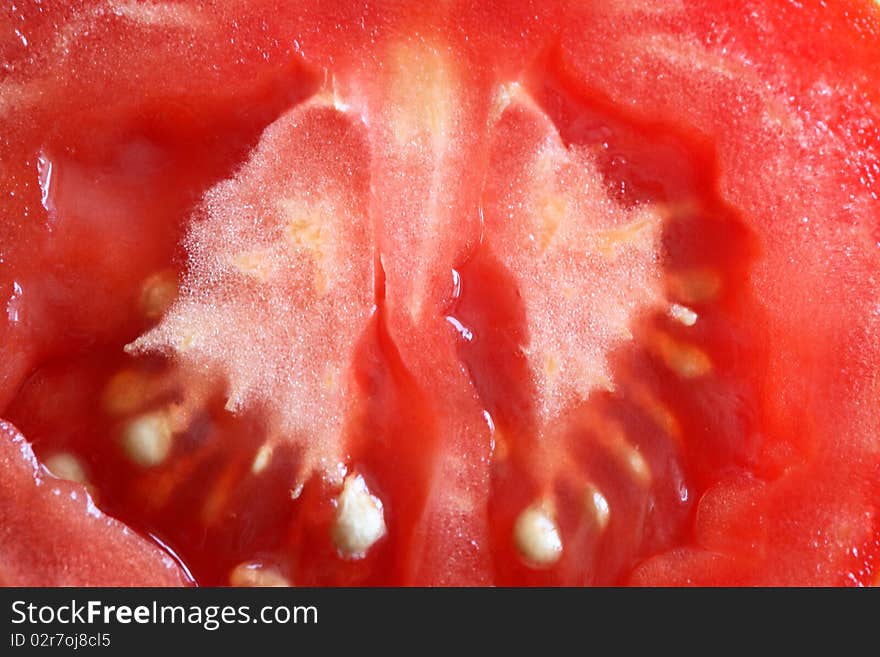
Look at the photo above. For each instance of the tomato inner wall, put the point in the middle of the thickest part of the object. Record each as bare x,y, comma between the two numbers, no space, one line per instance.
205,502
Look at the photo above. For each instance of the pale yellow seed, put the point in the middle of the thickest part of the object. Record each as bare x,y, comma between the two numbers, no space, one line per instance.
683,314
262,458
686,360
536,536
501,447
597,507
637,463
147,439
613,437
66,466
360,520
126,392
158,292
253,574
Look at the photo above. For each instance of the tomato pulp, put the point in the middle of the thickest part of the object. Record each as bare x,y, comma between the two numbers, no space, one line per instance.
481,293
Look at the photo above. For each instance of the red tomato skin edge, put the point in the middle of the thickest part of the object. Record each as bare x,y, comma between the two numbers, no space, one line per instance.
83,547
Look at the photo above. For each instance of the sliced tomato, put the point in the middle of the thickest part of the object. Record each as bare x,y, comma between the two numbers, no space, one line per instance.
480,293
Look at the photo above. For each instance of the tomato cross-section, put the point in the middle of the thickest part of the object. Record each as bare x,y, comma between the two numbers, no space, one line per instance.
469,293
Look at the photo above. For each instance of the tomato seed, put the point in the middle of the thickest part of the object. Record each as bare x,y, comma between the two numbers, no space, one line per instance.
536,535
147,439
360,520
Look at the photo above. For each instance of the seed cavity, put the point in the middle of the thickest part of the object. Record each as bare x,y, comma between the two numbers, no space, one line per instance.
126,392
536,536
694,286
217,499
360,519
659,412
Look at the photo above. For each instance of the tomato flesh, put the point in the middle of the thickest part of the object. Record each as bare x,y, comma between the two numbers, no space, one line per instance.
548,288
